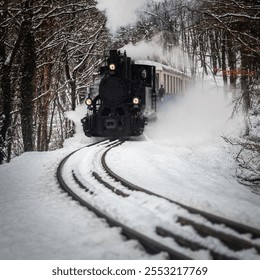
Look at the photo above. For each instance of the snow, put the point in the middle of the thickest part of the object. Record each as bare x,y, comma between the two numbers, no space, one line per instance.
202,178
184,159
39,221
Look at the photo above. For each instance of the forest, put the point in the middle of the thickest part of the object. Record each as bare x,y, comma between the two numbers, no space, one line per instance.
51,50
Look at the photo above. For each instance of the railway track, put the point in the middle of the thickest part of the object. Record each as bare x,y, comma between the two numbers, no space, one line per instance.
150,245
231,237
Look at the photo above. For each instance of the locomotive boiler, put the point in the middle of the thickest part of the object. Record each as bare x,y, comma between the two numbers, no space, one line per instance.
126,94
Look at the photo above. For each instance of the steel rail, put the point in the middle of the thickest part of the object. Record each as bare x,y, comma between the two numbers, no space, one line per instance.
230,240
151,246
240,228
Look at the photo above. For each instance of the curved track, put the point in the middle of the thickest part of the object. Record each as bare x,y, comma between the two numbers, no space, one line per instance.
204,226
241,228
232,241
151,246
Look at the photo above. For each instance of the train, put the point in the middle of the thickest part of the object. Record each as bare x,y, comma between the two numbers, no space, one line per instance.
125,98
125,92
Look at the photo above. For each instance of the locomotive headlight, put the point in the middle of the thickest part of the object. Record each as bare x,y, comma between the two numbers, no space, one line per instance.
144,74
112,66
136,100
88,101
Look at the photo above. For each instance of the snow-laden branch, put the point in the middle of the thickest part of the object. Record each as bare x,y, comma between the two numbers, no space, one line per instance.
96,35
232,32
239,16
55,13
160,18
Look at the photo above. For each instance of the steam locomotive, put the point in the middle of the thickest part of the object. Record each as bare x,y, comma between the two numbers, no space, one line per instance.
125,97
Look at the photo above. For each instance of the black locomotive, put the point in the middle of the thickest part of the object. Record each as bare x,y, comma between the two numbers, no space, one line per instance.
125,93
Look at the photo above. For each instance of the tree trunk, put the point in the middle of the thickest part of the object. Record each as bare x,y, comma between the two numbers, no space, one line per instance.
5,86
28,66
245,88
223,62
232,64
6,109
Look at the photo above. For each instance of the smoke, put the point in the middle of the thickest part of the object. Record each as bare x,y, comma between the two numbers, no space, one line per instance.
144,49
121,13
196,119
154,50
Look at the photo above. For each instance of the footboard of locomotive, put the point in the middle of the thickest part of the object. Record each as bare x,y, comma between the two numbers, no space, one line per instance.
114,125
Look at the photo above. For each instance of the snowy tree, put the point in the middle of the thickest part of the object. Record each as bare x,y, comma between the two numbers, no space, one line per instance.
49,50
69,53
13,29
238,24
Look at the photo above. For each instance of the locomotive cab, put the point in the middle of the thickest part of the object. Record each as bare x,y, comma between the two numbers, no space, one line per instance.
117,110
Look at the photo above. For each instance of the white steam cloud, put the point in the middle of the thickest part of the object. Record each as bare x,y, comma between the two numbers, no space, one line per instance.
121,13
153,50
196,119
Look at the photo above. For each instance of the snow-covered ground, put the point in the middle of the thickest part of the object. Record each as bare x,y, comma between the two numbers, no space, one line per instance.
202,178
39,221
182,156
